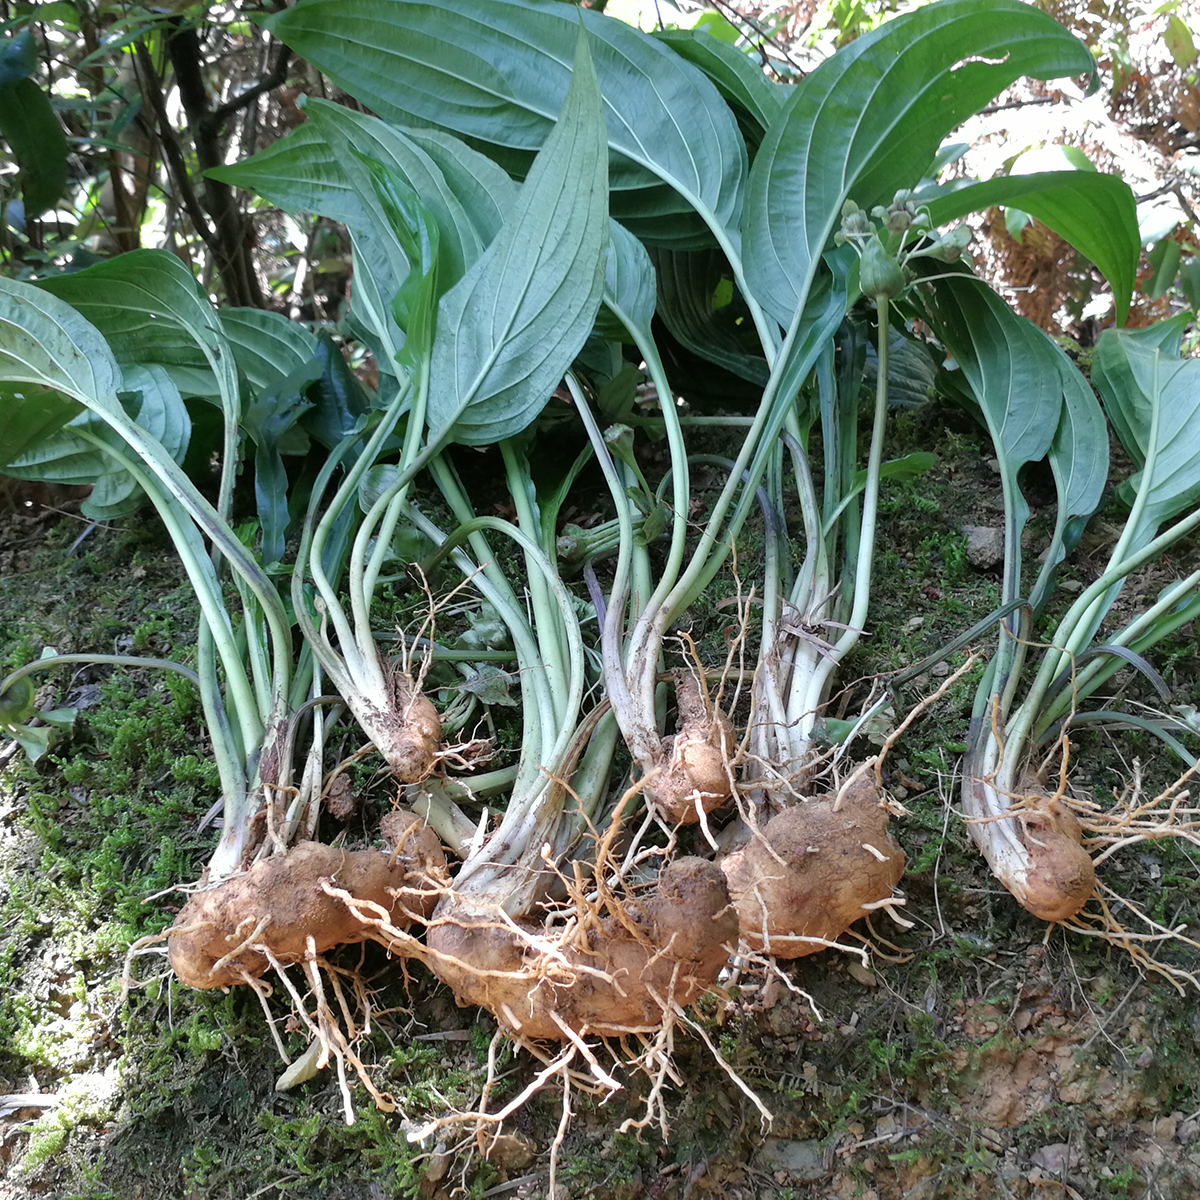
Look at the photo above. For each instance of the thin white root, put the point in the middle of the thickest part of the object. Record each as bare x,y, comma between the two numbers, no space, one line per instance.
768,1118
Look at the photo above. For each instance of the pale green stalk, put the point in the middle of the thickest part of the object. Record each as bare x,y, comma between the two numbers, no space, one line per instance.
811,696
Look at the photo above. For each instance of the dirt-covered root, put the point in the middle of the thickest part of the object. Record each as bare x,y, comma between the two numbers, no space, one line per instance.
695,773
813,870
1037,853
408,736
617,975
229,933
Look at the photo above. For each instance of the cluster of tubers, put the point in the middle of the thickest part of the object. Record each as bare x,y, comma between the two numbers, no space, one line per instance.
614,968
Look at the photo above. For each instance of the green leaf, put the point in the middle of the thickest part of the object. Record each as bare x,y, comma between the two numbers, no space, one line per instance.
1129,409
1179,42
151,399
412,167
1189,281
268,420
628,285
28,415
1078,458
706,314
266,345
311,170
339,399
910,466
30,126
307,172
301,172
19,702
491,685
496,71
34,740
509,329
45,341
912,374
1097,214
18,58
869,121
1164,258
755,100
151,312
416,231
1152,397
1014,375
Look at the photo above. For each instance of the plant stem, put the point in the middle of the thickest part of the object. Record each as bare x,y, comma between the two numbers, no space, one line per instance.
866,547
106,660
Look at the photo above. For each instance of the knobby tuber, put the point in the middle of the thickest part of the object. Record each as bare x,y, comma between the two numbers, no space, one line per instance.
409,733
813,870
1035,848
610,977
228,934
695,774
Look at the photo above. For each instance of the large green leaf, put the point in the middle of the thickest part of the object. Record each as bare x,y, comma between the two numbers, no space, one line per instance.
300,173
326,167
1013,373
151,399
869,121
45,341
416,230
29,415
308,171
30,126
755,99
1096,213
396,153
496,71
266,345
1113,375
151,312
1152,397
706,314
510,328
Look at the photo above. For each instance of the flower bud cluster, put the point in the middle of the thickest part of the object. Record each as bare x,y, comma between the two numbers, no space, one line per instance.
882,247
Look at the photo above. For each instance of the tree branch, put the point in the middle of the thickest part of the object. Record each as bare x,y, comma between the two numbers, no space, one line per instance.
275,78
171,147
234,234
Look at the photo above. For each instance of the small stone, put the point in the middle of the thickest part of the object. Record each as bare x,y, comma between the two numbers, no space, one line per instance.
1165,1128
510,1152
801,1160
862,974
939,669
439,1164
1054,1159
1070,586
985,546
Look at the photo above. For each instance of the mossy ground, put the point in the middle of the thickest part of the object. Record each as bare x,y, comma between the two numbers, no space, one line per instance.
981,1055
